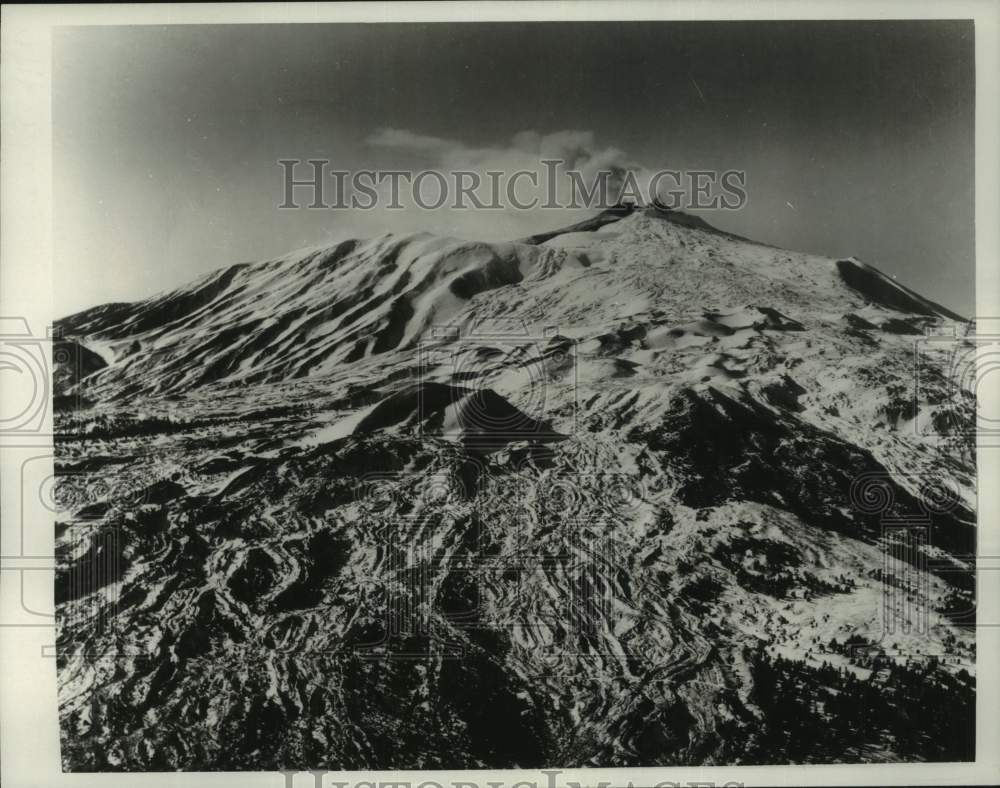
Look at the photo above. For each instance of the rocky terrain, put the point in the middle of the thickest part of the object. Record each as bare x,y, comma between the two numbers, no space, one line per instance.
640,492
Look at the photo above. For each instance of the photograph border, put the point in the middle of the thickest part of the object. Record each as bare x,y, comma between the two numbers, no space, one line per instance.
29,725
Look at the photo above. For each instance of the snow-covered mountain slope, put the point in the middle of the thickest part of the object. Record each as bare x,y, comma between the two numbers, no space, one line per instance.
630,493
309,313
305,314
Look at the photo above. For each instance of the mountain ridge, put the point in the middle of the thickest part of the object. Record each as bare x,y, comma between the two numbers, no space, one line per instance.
485,267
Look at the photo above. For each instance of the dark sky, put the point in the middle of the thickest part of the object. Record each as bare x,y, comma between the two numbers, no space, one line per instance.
857,137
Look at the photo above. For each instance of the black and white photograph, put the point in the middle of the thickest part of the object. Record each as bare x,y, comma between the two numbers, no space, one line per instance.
508,394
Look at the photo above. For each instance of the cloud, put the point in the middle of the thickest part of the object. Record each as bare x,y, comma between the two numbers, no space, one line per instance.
401,139
527,151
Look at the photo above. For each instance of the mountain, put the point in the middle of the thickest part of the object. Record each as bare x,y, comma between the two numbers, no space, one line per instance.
635,492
